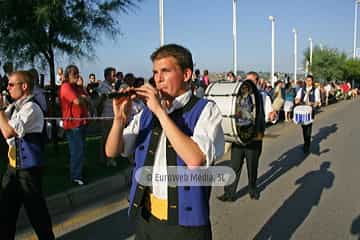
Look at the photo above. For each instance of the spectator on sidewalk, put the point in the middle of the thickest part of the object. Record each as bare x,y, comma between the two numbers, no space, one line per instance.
105,109
59,77
91,88
327,89
230,76
8,69
22,124
205,79
119,80
289,101
74,105
38,92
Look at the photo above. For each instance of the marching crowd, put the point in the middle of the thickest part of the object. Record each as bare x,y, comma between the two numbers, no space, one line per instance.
163,122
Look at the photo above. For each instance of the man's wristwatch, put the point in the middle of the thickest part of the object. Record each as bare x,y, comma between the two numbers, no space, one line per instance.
2,108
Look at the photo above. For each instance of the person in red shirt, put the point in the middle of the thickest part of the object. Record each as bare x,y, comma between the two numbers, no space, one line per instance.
74,104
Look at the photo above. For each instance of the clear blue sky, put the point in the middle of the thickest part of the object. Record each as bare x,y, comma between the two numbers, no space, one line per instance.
205,27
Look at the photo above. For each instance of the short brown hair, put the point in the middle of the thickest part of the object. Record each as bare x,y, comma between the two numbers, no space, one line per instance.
181,54
25,77
254,74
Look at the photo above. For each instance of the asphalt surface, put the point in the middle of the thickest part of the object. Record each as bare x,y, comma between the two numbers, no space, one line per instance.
312,196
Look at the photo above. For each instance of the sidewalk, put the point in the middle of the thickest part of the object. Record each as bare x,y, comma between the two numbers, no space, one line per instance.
75,198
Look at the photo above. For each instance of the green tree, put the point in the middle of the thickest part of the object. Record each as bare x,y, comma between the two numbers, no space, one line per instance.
327,64
351,70
32,31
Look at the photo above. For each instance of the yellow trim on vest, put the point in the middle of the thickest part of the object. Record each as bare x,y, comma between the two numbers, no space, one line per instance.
158,207
12,156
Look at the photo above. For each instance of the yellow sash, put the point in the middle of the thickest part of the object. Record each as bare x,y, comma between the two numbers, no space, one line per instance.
158,207
12,156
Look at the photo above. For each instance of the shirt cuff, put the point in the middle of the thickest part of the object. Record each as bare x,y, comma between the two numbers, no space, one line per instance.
208,149
18,126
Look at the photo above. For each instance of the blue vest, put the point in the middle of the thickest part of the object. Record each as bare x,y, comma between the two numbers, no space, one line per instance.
29,151
187,205
30,148
311,96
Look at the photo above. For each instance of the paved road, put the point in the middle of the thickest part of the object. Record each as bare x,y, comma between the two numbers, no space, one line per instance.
303,197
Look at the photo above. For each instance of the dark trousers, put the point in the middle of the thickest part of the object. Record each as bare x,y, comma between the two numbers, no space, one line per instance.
251,153
150,228
307,134
23,187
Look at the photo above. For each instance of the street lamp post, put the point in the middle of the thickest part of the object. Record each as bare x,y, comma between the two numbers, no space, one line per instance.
161,15
234,37
272,20
355,27
311,54
295,54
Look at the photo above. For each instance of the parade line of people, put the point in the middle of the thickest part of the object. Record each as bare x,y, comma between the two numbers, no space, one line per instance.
166,122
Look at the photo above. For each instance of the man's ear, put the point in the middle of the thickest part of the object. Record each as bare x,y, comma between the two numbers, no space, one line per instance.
25,87
187,74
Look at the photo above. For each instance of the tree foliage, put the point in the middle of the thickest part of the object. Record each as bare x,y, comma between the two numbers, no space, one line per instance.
327,64
33,30
351,70
332,65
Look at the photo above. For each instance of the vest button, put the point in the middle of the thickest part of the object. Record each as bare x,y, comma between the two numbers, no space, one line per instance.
187,188
188,209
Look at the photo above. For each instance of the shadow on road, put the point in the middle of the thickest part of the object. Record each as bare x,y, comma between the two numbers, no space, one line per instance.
355,227
293,212
290,159
115,226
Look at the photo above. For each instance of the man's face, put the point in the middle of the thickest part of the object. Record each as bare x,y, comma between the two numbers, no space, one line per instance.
73,76
111,77
170,79
308,82
16,87
92,78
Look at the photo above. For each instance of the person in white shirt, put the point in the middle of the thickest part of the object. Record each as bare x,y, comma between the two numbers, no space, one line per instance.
309,95
250,151
162,135
104,109
21,124
327,91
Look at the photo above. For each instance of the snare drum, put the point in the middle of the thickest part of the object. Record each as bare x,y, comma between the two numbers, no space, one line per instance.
229,97
303,114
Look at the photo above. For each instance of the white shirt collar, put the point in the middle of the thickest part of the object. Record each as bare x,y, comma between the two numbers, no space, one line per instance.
20,102
180,101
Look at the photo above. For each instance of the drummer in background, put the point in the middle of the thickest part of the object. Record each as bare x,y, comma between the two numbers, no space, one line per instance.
308,95
251,151
270,114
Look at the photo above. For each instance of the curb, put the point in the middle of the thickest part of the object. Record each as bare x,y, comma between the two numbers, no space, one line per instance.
79,196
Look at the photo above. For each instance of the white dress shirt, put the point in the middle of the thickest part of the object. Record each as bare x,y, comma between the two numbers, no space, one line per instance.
105,87
208,134
267,104
27,117
307,92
